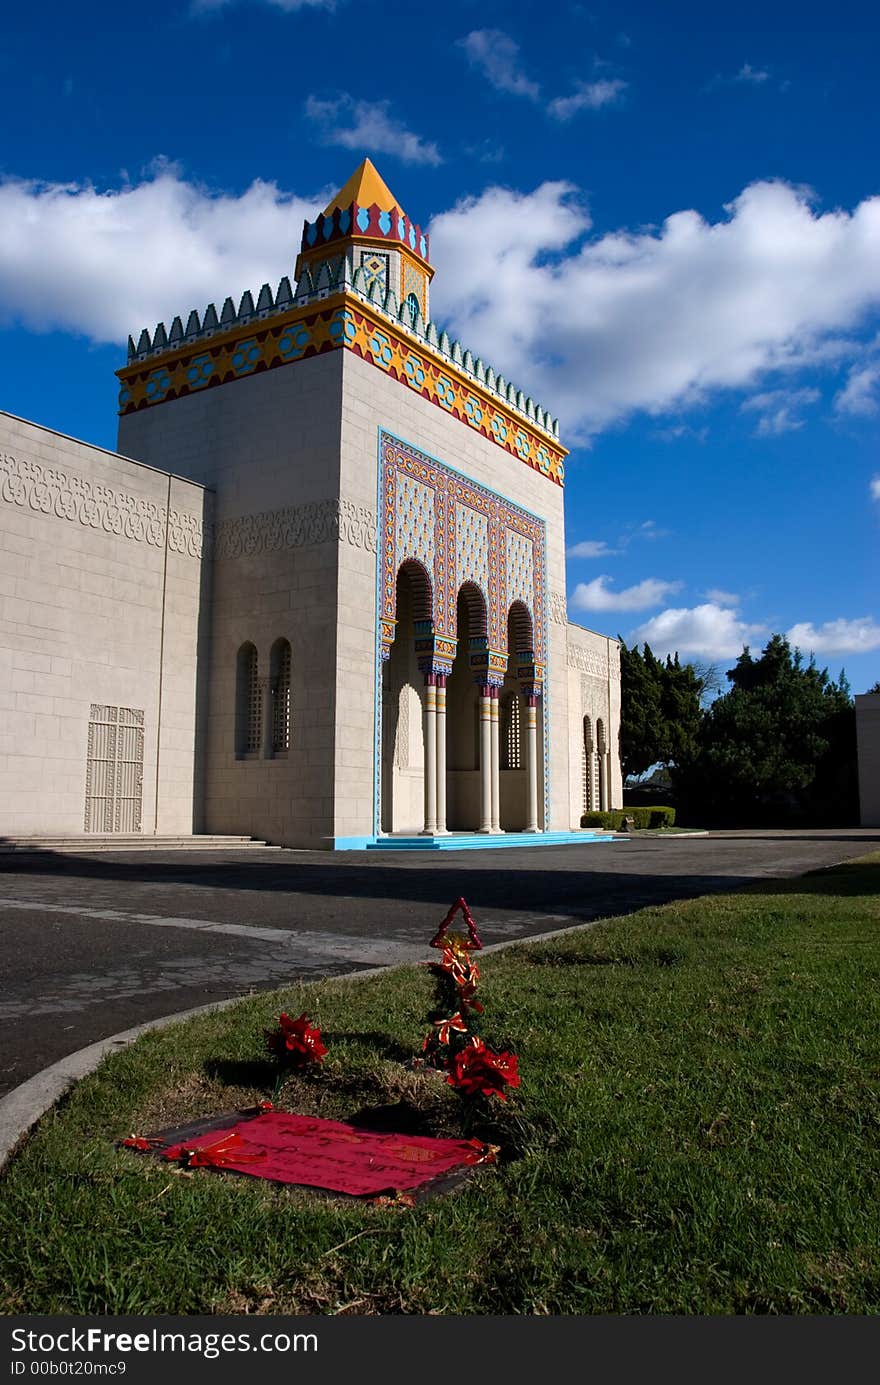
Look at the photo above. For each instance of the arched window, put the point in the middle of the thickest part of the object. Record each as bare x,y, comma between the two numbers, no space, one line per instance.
280,674
509,733
414,306
248,703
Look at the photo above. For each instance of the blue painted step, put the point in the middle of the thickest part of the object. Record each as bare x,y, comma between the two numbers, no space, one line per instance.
475,841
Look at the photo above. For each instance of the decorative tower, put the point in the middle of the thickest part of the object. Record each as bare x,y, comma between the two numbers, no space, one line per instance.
364,235
387,548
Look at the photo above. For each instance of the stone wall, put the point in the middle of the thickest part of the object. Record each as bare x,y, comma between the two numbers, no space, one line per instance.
269,445
594,697
102,608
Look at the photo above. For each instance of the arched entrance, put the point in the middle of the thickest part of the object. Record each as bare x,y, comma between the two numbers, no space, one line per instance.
403,694
463,716
521,769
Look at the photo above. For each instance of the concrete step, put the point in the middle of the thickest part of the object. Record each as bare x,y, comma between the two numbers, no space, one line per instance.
482,841
122,841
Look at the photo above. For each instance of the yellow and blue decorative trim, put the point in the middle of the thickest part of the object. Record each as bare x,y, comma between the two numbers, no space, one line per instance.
339,321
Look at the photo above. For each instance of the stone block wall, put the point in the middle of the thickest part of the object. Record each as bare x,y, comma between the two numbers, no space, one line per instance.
101,606
594,698
269,445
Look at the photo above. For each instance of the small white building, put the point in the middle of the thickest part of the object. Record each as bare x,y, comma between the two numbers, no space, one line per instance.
319,594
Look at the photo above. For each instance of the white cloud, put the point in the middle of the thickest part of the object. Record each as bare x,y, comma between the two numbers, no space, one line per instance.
496,55
595,596
875,487
755,76
708,630
368,125
859,394
836,636
655,319
590,548
597,329
588,96
721,597
109,263
779,410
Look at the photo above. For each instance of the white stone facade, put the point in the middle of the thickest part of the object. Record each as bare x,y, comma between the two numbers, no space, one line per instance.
103,609
241,651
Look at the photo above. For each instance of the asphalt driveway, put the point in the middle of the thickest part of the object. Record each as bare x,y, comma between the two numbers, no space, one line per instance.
93,944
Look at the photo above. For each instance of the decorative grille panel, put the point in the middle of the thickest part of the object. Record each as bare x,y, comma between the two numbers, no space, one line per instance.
510,738
281,704
114,769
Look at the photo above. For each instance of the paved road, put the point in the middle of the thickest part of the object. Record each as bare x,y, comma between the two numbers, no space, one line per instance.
93,944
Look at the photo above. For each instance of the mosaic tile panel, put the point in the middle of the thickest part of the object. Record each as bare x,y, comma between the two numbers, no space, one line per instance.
375,266
472,548
477,536
413,281
414,522
520,568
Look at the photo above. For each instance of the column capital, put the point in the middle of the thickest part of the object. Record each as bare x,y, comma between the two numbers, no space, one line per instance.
435,653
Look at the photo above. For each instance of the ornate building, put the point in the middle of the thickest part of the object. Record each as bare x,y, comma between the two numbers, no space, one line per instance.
319,595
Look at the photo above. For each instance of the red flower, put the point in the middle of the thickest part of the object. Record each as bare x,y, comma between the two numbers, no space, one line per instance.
296,1041
445,1029
479,1071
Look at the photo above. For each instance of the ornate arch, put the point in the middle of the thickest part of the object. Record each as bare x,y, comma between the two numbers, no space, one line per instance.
477,609
520,629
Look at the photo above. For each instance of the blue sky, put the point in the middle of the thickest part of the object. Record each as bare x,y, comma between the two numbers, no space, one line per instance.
661,221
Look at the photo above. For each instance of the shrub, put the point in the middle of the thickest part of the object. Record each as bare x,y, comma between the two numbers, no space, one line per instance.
612,820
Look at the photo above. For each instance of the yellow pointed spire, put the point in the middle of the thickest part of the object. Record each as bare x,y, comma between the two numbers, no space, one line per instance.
366,188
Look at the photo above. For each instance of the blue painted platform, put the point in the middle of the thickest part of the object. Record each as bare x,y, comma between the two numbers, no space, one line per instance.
479,841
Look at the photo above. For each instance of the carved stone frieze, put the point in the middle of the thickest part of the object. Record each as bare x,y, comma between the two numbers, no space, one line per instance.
558,608
297,526
48,491
594,662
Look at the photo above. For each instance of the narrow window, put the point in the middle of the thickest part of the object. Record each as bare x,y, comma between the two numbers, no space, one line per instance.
280,697
509,733
248,703
587,764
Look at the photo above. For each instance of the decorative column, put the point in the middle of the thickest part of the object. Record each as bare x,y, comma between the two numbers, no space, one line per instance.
532,762
603,778
267,704
495,762
485,758
441,754
430,725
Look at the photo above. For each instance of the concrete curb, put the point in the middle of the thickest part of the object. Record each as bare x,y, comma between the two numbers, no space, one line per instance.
25,1105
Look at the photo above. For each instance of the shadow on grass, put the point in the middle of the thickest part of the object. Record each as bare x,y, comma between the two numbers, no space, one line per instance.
645,957
259,1073
381,1044
849,879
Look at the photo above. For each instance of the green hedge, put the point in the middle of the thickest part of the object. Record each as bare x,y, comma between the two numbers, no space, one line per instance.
644,817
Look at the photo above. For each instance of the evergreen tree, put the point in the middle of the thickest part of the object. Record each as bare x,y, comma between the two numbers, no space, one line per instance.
779,744
642,737
660,709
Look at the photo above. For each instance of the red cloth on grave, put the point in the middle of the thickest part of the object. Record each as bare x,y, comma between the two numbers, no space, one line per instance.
328,1154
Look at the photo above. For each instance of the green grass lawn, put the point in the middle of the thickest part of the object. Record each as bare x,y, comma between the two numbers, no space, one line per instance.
696,1132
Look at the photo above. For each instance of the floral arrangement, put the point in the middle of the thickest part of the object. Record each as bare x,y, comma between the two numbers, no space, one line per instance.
295,1043
454,1045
